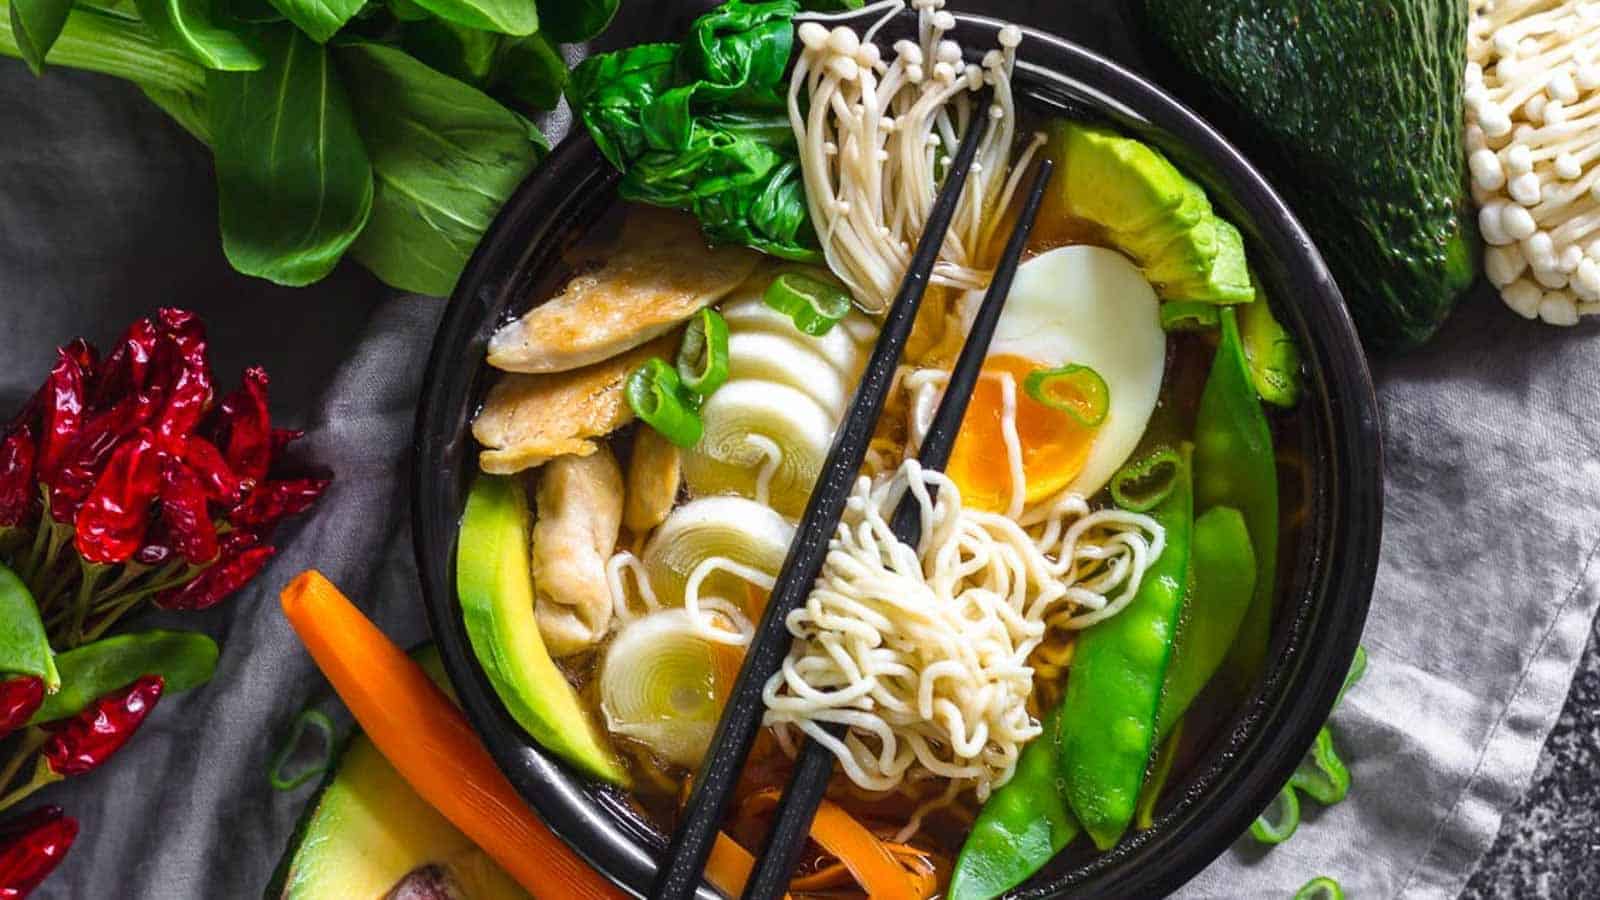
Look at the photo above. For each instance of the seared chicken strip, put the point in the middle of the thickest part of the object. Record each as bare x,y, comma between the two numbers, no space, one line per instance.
662,273
654,473
579,510
529,419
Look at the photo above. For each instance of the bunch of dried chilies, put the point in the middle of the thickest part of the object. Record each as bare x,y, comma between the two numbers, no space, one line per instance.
123,480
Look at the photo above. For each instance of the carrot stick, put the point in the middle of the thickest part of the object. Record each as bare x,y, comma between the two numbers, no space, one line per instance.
428,741
729,866
870,861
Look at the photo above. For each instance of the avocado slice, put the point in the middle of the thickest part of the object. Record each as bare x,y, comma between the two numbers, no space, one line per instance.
1151,212
369,835
496,590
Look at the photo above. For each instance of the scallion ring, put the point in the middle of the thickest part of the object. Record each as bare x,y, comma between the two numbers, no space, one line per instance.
1320,888
814,305
1078,391
1189,315
1322,774
659,399
703,355
1268,830
318,722
1141,485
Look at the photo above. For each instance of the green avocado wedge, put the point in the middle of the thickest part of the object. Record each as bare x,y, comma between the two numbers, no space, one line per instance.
368,834
1151,212
496,591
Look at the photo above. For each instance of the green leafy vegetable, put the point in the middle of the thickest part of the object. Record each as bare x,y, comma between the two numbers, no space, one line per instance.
111,43
35,26
188,110
445,157
518,17
188,26
319,19
702,126
293,179
24,648
529,70
571,21
455,50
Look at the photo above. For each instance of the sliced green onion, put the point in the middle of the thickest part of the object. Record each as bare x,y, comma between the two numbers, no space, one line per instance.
659,400
1078,391
1189,315
323,726
1358,668
703,355
1320,888
1322,774
1141,485
814,305
1268,831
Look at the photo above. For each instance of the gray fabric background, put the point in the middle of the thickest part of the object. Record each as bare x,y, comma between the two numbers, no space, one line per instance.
1484,600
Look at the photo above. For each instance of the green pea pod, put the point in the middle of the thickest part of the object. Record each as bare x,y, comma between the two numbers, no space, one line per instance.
1234,466
1022,826
1273,355
1224,581
1108,715
1322,774
24,648
1160,771
185,659
1270,829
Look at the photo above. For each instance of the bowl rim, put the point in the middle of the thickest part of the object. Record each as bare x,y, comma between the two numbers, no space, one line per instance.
1268,737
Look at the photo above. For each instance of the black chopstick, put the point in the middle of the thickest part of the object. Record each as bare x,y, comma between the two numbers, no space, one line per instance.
814,766
741,719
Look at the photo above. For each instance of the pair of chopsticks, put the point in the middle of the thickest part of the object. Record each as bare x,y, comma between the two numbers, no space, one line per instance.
719,772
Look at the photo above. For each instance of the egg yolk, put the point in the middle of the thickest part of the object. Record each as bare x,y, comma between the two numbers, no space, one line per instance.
1054,445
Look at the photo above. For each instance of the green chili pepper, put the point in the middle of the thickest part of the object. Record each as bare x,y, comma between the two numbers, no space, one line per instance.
815,305
1022,826
1224,581
1189,315
24,648
1142,484
1269,831
703,355
320,723
659,400
1234,466
1320,888
1272,353
1150,792
1078,391
185,659
1108,715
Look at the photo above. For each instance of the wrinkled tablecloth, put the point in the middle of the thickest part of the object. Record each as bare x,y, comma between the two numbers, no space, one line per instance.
1484,598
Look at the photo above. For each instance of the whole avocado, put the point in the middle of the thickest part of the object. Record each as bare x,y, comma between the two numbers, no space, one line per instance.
1353,107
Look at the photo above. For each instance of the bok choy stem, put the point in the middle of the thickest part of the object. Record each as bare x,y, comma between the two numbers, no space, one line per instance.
101,40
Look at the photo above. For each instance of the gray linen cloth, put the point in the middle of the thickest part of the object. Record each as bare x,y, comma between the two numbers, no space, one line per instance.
1484,599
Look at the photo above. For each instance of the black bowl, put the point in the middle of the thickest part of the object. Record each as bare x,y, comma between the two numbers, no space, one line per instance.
1330,573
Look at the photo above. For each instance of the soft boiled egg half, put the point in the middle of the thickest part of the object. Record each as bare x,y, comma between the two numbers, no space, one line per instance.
1077,305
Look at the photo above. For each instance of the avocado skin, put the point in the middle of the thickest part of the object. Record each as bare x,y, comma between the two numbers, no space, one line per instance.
1353,108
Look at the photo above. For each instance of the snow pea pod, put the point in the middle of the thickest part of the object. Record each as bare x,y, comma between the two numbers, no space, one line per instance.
185,659
1108,714
1022,826
1224,581
24,648
1234,466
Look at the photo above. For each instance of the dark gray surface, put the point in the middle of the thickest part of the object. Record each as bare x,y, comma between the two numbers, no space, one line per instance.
106,210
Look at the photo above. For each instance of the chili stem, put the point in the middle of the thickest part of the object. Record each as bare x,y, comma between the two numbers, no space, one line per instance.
163,579
43,775
80,607
32,740
28,568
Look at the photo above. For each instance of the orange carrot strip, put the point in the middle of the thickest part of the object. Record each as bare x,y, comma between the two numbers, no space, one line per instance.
870,861
428,741
730,866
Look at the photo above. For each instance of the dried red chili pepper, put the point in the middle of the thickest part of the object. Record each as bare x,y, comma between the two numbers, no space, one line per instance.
31,846
127,367
17,491
183,512
282,438
183,374
244,427
100,436
241,559
20,698
61,410
272,501
207,462
112,523
85,741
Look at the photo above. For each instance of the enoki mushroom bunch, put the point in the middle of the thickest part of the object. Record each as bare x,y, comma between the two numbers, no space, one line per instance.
876,136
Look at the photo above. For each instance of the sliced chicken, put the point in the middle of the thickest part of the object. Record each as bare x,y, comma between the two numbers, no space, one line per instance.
579,511
654,473
529,419
661,274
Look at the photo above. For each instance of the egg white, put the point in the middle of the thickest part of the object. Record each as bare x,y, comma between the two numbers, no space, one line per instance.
1092,307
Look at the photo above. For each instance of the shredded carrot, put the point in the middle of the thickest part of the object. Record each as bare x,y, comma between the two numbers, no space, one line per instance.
429,742
730,866
919,862
869,860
